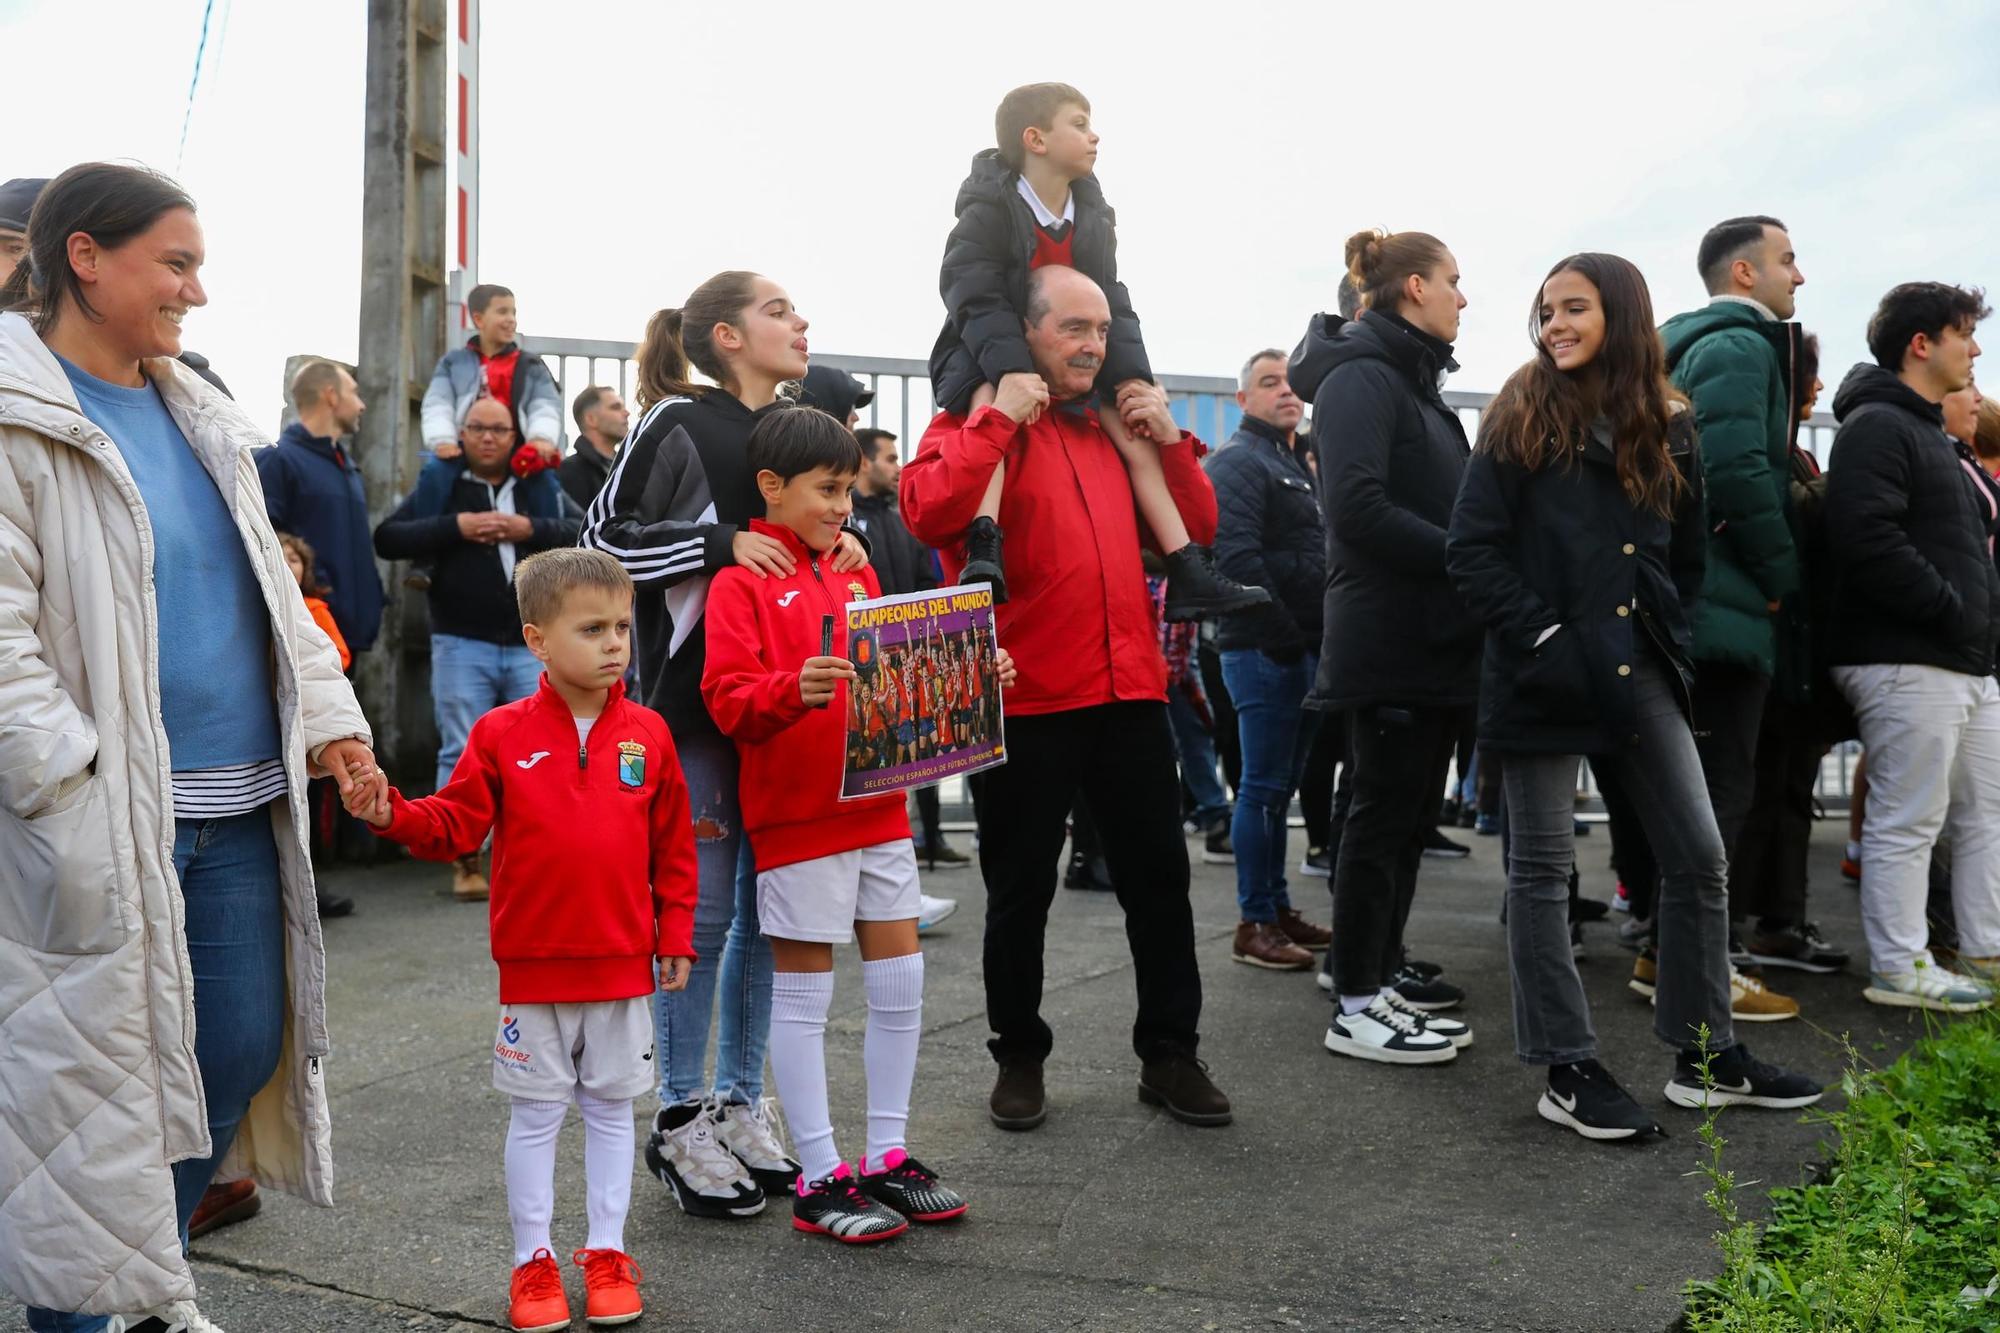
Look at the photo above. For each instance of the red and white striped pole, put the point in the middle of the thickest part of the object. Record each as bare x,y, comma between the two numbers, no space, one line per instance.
467,272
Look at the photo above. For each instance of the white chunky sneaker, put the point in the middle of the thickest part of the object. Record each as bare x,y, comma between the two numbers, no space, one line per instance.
756,1139
705,1177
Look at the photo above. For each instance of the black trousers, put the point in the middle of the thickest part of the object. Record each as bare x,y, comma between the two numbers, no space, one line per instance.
1222,712
928,817
1400,758
1326,787
1120,758
1631,850
1728,708
1767,870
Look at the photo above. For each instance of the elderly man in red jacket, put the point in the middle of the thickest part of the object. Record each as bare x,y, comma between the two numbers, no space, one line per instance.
1090,712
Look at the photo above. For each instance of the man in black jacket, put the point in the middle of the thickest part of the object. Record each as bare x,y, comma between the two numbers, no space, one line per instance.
601,422
1915,625
1270,533
474,535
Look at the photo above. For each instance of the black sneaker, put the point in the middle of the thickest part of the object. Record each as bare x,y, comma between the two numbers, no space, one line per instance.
983,560
1739,953
1584,1097
1587,910
1798,947
1427,970
1468,818
836,1207
1197,590
1436,844
1217,849
1738,1078
1318,862
1426,993
1087,872
907,1186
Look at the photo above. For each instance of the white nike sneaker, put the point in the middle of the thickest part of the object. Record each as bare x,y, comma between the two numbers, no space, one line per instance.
933,911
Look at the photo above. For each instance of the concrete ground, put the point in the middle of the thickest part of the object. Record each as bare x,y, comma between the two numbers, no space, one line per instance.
1346,1196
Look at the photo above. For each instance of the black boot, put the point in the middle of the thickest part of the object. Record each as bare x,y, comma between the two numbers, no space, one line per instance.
983,562
1197,590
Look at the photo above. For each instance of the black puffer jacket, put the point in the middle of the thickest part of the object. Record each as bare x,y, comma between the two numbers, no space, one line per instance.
1390,458
1564,546
1909,524
984,282
1269,533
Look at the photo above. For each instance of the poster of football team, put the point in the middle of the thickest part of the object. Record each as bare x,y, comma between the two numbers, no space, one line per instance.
925,705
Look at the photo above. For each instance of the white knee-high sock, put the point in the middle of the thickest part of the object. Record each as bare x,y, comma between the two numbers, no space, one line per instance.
799,1001
608,1143
531,1174
889,1050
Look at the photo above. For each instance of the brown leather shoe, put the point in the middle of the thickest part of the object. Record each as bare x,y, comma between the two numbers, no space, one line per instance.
1263,944
1304,933
1018,1101
467,884
225,1206
1179,1084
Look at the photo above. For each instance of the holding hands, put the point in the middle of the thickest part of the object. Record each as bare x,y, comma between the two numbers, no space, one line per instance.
1022,395
1143,409
364,788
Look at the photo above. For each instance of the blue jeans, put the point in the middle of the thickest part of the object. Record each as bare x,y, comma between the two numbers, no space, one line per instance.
732,957
1196,750
1277,734
470,678
228,870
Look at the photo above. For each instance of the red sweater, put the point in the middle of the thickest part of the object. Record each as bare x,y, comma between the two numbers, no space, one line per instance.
1077,619
760,633
593,846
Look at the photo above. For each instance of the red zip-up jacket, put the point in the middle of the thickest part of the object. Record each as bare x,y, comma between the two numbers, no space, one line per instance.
760,633
593,845
1077,618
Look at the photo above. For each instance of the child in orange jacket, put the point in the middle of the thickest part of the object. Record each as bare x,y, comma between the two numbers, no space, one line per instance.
299,555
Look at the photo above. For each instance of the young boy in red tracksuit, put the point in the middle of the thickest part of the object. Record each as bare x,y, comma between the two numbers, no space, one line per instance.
593,889
826,868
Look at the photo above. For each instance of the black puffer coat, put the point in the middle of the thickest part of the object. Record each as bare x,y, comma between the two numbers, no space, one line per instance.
1390,458
1564,546
1269,533
1909,526
984,282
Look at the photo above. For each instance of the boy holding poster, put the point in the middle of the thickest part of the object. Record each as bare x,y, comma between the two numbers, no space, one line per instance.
826,868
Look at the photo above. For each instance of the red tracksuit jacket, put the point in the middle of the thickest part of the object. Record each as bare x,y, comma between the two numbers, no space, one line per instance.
1077,618
760,633
593,845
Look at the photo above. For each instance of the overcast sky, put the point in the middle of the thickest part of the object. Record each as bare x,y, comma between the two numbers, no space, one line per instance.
631,149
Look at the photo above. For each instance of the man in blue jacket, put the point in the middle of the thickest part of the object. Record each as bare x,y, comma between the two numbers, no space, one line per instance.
312,489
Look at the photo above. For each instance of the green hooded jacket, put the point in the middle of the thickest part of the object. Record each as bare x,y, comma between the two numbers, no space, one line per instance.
1736,366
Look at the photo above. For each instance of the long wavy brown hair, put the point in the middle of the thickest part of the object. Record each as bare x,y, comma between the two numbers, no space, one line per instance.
1542,413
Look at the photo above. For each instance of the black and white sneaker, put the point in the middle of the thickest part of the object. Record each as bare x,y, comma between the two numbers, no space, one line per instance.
1737,1078
1584,1097
910,1188
1318,863
753,1136
1455,1030
836,1207
1389,1035
1430,993
705,1177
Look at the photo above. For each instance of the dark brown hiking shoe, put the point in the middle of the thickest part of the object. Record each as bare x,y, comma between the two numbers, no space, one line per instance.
1018,1101
1264,944
1306,934
1179,1084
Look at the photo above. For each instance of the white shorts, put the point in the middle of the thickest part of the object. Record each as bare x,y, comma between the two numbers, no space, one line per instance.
550,1052
821,899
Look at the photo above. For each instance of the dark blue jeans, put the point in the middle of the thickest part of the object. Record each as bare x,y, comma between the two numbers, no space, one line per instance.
1276,732
228,870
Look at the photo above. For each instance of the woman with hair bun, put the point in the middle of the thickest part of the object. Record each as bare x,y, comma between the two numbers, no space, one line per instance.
1400,655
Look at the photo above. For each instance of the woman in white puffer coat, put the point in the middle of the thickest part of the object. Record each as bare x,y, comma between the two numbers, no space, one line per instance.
164,695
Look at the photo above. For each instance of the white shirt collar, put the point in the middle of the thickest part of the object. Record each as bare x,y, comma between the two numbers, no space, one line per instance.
1042,214
1750,301
503,502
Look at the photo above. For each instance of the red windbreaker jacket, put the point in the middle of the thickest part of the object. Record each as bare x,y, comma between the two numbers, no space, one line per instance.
760,633
593,845
1077,619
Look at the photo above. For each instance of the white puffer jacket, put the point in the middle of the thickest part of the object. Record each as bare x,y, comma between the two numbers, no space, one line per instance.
99,1092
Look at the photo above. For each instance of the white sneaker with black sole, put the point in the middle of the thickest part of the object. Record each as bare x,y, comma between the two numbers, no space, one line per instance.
1584,1097
753,1137
705,1178
1454,1030
1388,1035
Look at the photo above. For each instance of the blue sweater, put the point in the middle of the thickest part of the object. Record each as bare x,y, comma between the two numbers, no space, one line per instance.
217,698
314,493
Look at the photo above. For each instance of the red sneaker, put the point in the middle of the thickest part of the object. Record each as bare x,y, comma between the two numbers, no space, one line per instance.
536,1301
612,1281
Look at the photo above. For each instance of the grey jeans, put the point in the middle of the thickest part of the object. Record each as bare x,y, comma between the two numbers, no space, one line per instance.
1662,774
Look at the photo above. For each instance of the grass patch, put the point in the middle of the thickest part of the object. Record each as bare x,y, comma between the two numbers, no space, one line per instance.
1900,1231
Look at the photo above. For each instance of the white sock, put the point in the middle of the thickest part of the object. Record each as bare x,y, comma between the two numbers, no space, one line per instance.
1354,1004
889,1050
608,1144
531,1174
799,1001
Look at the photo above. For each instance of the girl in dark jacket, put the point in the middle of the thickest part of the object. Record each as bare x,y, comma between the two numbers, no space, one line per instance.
1578,539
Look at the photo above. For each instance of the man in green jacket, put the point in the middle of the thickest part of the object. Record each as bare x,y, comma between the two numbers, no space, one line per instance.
1735,359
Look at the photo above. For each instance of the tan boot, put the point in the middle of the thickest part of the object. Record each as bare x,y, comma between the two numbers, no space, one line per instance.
467,884
1263,944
